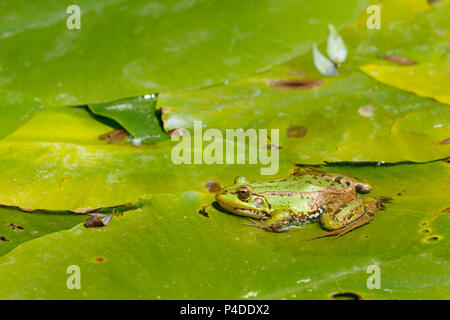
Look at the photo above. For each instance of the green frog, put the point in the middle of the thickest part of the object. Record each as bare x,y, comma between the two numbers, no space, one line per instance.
309,195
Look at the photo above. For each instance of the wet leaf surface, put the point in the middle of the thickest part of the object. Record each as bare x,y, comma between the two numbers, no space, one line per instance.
221,258
56,162
158,45
15,110
429,79
169,239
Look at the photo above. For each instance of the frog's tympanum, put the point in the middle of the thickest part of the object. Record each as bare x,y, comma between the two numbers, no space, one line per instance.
304,197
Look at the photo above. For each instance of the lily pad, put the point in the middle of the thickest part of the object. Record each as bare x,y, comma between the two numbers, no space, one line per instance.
221,258
428,79
15,110
56,162
400,126
129,48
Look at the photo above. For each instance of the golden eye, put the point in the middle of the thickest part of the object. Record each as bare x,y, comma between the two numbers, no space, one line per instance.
259,202
244,192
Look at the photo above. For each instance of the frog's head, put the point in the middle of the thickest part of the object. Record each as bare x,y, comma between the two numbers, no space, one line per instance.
241,199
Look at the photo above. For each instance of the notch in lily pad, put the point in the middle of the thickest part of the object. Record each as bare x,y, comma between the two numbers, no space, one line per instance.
137,115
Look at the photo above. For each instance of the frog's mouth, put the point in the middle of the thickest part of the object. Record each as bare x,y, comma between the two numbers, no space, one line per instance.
240,210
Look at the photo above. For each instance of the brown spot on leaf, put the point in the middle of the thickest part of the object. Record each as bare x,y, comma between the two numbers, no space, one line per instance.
296,84
98,220
15,227
271,147
99,259
433,239
296,131
447,210
213,186
114,136
446,141
400,60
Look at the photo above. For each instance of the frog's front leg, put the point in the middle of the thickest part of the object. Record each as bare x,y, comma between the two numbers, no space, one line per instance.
276,223
350,216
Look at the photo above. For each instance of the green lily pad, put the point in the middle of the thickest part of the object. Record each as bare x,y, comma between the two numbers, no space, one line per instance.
158,45
18,226
350,117
15,110
426,79
136,115
56,162
221,258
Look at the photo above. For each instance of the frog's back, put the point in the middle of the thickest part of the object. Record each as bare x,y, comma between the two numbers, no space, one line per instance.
300,183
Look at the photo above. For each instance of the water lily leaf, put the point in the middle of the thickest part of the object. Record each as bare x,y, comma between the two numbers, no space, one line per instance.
350,117
15,109
158,45
428,79
136,115
414,30
56,162
18,226
221,258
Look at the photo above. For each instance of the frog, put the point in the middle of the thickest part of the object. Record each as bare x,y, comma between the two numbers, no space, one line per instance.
308,195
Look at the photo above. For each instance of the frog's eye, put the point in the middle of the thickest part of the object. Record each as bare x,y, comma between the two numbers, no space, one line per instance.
259,202
244,192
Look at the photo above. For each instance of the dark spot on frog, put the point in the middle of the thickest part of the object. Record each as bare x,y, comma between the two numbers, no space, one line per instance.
296,131
3,238
366,236
399,194
213,186
425,231
346,296
99,259
433,1
296,84
446,141
446,210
